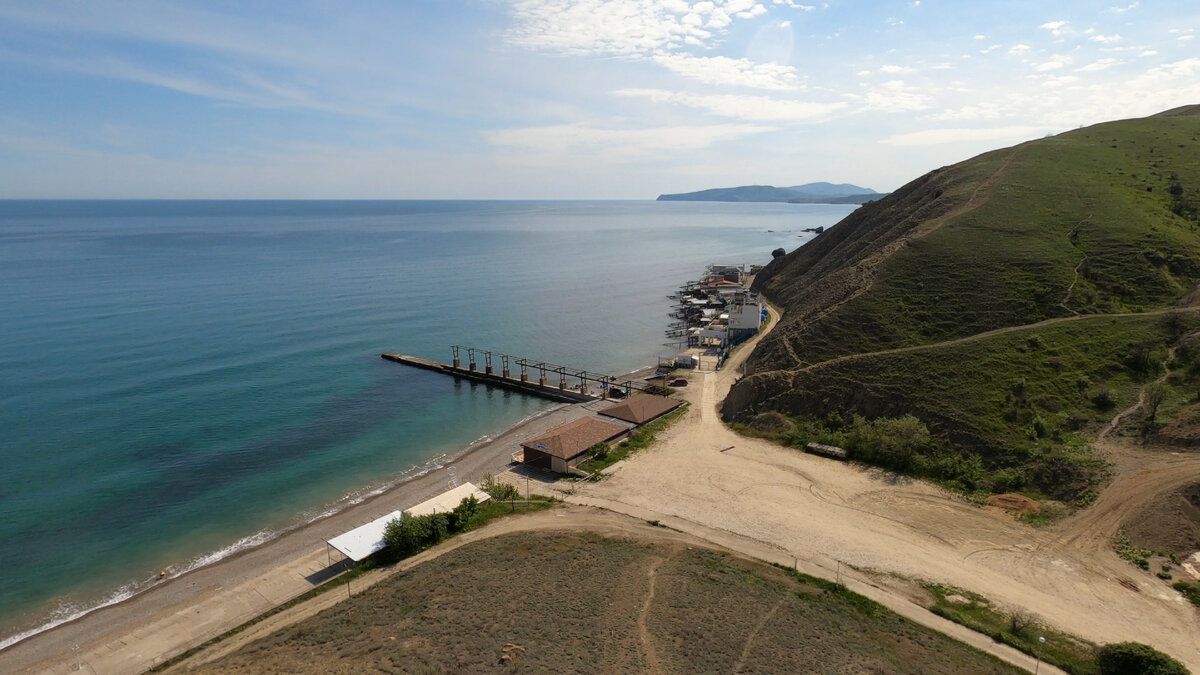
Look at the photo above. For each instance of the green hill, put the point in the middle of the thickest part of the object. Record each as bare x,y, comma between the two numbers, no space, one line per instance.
809,193
1097,222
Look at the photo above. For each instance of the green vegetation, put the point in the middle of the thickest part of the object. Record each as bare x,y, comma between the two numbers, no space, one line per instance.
1132,658
1103,199
409,535
1001,413
1136,555
1029,291
641,438
1015,628
577,602
1189,590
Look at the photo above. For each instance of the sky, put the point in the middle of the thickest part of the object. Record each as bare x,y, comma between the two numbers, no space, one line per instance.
556,99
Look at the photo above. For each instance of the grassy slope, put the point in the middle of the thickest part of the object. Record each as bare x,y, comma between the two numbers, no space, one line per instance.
1017,401
1014,226
572,603
1010,260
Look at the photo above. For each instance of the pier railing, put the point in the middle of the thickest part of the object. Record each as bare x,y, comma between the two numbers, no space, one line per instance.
571,384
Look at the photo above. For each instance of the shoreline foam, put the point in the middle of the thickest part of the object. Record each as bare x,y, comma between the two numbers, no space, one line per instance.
257,553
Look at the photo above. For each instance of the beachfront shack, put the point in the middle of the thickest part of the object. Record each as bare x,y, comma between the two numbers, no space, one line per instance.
565,446
641,408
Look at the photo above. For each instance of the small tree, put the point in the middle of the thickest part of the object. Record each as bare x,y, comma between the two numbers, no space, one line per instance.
406,535
438,528
1021,620
1156,393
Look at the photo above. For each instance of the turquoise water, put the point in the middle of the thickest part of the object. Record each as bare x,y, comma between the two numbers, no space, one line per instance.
181,379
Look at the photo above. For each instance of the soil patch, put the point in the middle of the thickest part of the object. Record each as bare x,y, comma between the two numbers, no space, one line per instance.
1169,523
1183,430
1016,504
578,602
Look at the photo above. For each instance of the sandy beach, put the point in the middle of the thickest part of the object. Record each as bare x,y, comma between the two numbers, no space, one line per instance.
182,612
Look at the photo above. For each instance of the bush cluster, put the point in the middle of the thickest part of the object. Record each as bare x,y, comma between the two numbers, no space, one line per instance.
409,534
1133,658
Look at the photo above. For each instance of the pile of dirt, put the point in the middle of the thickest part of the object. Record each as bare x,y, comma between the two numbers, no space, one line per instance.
1169,523
1016,504
771,422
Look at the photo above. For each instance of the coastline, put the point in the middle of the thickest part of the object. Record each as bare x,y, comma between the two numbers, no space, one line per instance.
90,635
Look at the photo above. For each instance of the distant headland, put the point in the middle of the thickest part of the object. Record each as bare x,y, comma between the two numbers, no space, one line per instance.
809,193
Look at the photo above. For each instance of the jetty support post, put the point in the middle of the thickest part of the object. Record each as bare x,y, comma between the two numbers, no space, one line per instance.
562,378
583,382
524,369
456,362
541,374
487,357
504,359
471,358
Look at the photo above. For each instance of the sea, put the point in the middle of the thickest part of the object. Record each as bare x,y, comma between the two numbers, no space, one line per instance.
181,380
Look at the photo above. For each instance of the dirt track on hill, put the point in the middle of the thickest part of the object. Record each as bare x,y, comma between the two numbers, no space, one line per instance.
828,515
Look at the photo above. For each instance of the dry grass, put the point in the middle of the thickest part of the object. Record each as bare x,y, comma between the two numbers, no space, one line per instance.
576,602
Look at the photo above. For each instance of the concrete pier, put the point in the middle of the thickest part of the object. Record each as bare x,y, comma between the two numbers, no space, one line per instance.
558,393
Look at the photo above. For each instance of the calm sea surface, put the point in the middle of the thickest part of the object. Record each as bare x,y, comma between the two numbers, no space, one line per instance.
179,380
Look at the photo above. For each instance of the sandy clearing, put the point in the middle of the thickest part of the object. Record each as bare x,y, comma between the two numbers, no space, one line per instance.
822,511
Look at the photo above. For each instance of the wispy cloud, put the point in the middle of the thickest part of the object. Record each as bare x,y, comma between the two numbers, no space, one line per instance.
895,96
619,144
1056,28
959,135
725,71
747,108
1095,66
619,27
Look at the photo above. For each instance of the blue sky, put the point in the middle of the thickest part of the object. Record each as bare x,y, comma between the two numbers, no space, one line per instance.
556,99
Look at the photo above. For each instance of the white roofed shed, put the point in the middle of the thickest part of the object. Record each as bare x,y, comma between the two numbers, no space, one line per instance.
364,540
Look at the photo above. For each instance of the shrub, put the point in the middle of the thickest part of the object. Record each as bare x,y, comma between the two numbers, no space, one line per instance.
498,490
891,443
599,450
771,422
1104,398
1133,658
406,535
1189,590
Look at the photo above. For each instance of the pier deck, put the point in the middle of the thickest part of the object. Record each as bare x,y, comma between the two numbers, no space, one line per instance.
533,387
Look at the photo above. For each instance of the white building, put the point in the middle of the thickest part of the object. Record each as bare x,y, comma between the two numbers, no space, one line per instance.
745,316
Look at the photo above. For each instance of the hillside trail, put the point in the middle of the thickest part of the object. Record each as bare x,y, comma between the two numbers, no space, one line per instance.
975,337
1140,472
885,531
964,340
865,269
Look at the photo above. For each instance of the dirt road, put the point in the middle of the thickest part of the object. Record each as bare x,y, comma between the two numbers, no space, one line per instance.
608,524
824,513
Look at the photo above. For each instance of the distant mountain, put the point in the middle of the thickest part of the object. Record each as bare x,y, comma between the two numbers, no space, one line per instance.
810,193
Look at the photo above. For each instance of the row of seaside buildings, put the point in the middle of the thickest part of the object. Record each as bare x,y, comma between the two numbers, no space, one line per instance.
716,313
